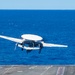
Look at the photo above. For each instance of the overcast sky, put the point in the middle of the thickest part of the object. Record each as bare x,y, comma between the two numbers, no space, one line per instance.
37,4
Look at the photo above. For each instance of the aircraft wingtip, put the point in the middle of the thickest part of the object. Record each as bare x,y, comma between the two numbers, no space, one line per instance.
66,46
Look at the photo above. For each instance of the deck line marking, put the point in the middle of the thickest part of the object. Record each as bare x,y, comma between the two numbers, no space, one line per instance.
32,67
8,69
19,71
46,70
60,71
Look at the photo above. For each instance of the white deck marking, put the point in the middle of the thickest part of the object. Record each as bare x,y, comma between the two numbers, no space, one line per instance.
7,69
60,71
47,68
19,71
32,67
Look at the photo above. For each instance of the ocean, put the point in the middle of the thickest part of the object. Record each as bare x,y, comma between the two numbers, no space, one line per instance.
55,26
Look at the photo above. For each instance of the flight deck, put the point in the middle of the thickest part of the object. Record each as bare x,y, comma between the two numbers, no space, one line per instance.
36,70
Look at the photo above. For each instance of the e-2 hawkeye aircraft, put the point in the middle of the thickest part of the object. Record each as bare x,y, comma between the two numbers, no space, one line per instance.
31,42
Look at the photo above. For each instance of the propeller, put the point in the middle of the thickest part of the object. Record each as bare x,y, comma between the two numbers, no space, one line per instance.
16,46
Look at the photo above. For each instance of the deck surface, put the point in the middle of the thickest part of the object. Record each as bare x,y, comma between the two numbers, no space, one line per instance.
36,70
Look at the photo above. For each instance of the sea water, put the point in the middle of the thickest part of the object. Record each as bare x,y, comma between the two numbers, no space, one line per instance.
55,26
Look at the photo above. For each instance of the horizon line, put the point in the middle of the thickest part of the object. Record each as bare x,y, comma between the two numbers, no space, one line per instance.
32,9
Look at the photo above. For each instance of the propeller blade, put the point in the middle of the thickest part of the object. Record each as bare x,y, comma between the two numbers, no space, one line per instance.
16,46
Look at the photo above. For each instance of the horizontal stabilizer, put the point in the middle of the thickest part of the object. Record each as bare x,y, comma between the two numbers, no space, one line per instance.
28,48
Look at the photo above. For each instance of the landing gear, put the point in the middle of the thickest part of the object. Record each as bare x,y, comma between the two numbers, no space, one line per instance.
22,46
41,46
22,49
28,51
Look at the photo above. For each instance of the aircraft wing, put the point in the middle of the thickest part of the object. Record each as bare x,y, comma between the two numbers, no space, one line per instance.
53,45
11,39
